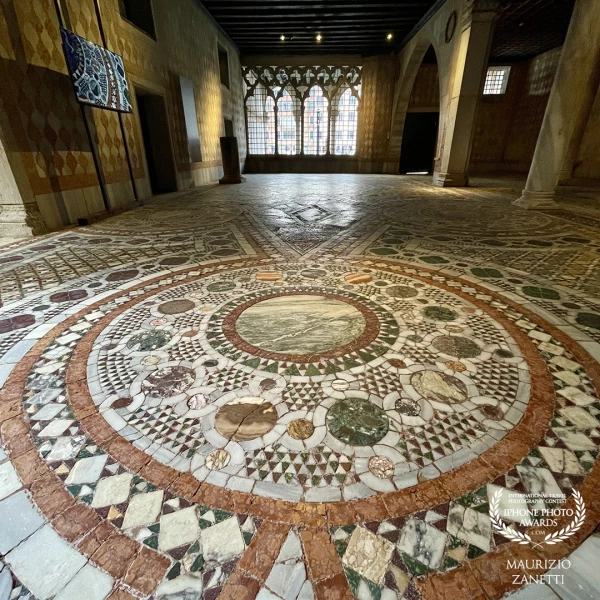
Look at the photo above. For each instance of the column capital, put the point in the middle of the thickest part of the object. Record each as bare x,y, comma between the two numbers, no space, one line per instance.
480,10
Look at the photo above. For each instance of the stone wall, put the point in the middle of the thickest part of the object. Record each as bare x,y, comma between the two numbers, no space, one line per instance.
508,125
587,165
425,95
43,128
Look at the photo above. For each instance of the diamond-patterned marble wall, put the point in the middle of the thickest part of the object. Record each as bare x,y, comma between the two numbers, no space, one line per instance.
426,91
46,121
376,107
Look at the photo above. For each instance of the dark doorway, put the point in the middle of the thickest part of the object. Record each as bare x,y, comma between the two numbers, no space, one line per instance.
418,142
157,143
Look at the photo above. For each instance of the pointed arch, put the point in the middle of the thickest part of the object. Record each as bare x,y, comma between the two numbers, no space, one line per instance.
288,122
344,122
404,89
316,122
260,114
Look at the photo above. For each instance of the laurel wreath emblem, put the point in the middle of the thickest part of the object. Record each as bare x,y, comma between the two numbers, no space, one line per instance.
523,538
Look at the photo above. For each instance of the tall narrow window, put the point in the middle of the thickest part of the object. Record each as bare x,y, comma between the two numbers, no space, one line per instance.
139,13
260,111
288,123
344,123
224,66
496,80
316,122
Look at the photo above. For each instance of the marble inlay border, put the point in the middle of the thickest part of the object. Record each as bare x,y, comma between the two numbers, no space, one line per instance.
489,465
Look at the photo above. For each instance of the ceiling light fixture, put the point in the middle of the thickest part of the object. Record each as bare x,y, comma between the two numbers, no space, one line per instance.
319,37
389,37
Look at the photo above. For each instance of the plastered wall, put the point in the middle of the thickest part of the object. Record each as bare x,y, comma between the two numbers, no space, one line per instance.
43,131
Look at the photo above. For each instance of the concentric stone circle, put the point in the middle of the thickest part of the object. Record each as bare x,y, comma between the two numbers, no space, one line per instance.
341,322
239,401
375,469
300,324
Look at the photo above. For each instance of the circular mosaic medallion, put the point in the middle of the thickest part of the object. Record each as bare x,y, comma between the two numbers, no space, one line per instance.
492,412
300,324
168,382
439,386
302,327
381,466
460,347
408,407
318,375
401,291
357,422
221,286
591,320
175,307
301,429
245,419
440,313
149,340
218,459
357,278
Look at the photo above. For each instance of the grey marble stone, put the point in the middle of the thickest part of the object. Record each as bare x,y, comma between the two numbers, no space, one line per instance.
5,583
90,583
538,480
423,542
471,526
223,541
182,588
9,480
300,324
582,579
18,520
45,563
87,470
534,591
287,580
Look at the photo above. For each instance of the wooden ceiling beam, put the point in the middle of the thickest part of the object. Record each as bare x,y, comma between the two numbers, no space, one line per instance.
295,27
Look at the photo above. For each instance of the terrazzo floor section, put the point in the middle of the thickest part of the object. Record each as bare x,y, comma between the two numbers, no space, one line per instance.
301,387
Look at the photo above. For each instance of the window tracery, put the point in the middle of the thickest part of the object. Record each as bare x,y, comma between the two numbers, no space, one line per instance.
302,110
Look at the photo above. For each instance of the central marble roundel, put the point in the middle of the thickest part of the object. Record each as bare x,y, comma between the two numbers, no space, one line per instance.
300,324
303,383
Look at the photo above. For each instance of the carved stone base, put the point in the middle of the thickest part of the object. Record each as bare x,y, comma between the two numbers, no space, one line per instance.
18,220
451,179
531,200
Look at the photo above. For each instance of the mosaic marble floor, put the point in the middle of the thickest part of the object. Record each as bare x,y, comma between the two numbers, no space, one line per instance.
302,387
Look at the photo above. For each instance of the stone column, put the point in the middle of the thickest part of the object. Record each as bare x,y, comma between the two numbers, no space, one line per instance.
571,99
469,69
19,212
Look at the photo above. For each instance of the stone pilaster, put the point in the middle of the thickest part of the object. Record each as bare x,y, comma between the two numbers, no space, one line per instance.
571,98
469,69
19,213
